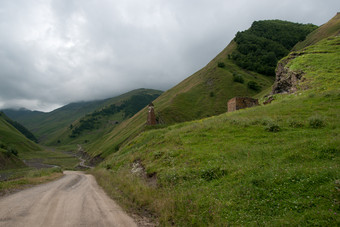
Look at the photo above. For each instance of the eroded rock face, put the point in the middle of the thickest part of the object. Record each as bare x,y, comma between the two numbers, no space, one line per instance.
287,80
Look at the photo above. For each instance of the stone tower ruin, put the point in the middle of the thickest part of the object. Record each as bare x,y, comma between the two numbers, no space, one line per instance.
237,103
151,120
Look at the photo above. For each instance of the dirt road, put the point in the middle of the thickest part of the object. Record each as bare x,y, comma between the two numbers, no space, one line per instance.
73,200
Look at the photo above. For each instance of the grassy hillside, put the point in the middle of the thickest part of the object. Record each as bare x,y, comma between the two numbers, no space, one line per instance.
101,121
8,160
207,91
331,28
319,64
276,164
12,145
21,129
15,147
11,137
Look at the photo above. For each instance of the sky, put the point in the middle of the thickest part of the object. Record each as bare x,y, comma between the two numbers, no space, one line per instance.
53,52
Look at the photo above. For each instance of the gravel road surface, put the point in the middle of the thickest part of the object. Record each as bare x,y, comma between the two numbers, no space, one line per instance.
73,200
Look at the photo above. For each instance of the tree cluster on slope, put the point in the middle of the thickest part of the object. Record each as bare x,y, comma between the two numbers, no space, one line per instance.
266,42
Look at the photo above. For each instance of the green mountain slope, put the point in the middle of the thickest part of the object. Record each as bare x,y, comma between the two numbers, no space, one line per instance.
47,126
331,28
13,144
21,129
276,164
203,94
101,121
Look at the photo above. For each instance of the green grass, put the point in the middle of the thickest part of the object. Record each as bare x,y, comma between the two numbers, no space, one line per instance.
52,157
11,137
9,161
230,170
320,63
28,178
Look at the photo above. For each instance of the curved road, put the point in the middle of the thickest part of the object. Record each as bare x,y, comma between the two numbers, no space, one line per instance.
73,200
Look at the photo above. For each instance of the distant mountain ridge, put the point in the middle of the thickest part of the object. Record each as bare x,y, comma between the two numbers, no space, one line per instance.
97,123
47,125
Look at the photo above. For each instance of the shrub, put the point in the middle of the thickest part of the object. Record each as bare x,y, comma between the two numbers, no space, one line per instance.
295,124
221,64
3,146
12,151
212,94
238,78
272,127
253,85
316,122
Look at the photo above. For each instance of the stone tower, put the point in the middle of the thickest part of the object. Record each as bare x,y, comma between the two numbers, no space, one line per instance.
151,120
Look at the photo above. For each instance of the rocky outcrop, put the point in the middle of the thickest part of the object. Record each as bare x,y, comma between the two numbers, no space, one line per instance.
287,80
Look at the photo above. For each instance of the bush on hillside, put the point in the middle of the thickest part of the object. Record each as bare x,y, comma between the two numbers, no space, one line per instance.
272,127
221,64
11,151
238,78
316,122
253,85
295,124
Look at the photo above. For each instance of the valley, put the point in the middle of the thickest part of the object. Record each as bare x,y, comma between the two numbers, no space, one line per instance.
276,163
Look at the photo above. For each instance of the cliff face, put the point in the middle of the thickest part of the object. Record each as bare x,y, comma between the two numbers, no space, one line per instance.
287,80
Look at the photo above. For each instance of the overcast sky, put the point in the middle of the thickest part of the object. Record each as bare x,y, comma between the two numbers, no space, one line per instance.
53,52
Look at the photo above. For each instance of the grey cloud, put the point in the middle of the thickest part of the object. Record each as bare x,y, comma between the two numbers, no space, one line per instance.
58,51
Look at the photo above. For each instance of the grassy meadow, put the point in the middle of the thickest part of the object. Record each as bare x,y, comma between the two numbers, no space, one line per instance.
272,165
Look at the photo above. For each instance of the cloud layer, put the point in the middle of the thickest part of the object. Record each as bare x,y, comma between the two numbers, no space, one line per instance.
53,52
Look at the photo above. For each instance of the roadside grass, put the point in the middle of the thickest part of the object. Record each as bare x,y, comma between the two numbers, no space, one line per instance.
52,157
232,170
27,177
21,177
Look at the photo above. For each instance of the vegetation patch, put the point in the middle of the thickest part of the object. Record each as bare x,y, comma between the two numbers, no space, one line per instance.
316,122
29,179
260,47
